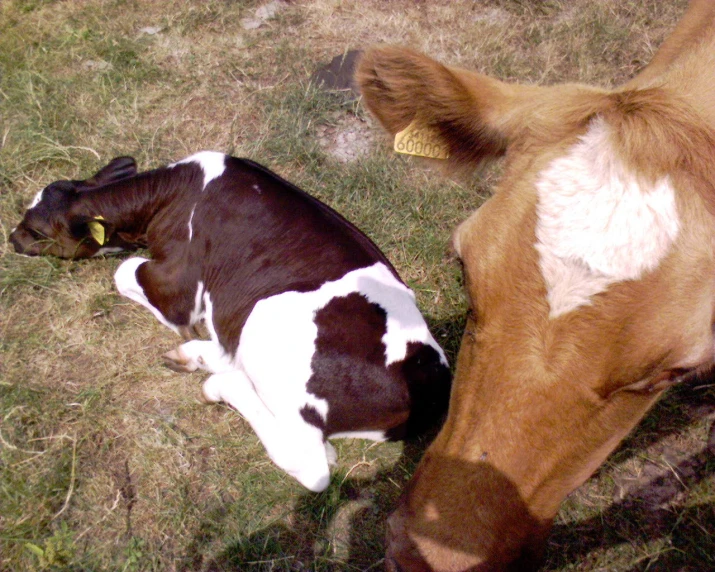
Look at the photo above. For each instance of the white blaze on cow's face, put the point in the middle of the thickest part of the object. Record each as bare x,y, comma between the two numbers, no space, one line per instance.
598,221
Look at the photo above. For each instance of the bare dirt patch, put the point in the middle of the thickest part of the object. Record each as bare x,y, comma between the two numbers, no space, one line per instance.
347,137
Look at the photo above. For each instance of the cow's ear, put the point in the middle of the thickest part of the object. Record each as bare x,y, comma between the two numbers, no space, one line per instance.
474,116
117,169
408,90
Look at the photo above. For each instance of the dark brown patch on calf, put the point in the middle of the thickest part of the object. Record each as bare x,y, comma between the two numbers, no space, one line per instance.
349,368
175,299
257,235
364,394
311,415
428,382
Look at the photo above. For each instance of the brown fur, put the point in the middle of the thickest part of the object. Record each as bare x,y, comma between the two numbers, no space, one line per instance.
539,403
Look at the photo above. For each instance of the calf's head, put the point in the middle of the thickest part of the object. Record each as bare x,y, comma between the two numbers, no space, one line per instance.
56,223
589,275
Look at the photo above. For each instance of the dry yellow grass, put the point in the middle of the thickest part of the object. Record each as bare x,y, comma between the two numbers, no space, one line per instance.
107,460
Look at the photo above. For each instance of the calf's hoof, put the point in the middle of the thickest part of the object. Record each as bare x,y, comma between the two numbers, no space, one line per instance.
176,360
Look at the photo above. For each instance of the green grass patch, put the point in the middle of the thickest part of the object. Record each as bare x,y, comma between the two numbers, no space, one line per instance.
108,460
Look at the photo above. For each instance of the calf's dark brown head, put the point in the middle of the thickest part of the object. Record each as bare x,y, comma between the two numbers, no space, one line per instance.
52,226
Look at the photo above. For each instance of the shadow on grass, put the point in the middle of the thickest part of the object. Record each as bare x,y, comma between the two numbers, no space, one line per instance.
323,532
307,543
643,517
341,529
654,509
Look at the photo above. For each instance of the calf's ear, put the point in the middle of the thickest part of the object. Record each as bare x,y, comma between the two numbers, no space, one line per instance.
92,228
117,169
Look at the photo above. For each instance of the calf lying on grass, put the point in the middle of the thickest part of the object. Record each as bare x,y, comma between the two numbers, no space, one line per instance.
313,334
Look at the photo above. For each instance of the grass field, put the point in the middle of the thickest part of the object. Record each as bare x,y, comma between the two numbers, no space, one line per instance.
107,460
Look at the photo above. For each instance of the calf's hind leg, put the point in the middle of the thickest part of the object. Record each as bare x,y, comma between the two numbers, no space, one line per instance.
293,445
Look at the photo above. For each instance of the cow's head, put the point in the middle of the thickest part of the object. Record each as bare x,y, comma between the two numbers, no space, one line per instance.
50,226
589,275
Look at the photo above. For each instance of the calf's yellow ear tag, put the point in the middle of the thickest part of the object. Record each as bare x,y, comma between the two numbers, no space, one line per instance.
96,229
420,142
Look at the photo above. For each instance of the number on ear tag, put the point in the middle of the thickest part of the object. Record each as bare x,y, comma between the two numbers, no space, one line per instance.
420,142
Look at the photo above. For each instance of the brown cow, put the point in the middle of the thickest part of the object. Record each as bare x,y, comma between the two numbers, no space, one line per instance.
590,276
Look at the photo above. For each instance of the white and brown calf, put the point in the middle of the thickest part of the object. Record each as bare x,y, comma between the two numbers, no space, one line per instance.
590,274
313,334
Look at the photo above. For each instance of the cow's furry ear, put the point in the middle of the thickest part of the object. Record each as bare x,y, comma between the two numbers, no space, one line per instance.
117,169
404,88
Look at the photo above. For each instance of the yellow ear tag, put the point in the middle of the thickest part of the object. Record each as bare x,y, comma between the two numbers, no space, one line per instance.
420,142
97,230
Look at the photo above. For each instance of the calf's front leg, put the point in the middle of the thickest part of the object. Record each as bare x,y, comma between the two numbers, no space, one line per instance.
161,299
128,286
199,354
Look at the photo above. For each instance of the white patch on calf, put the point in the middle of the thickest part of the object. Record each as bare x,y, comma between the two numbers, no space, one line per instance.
191,226
371,435
24,255
197,313
36,200
278,340
598,223
209,313
276,349
405,323
126,280
212,163
108,250
217,360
